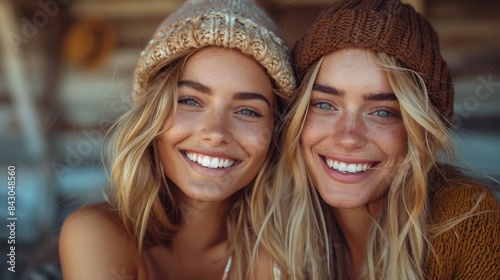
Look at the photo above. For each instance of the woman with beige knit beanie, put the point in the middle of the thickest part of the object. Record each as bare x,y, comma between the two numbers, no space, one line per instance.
364,138
187,156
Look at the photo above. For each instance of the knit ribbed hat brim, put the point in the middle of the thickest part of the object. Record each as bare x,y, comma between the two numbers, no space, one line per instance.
381,26
235,24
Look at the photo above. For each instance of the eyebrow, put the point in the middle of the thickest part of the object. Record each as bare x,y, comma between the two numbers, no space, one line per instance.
327,90
381,96
252,95
195,85
244,95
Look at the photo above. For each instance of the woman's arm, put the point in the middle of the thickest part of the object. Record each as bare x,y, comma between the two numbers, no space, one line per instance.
92,245
480,258
471,249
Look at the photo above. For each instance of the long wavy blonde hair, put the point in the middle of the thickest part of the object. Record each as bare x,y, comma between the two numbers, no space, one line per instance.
398,244
140,190
290,229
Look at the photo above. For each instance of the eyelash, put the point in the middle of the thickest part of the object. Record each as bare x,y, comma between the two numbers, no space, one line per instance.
253,113
185,100
392,113
318,103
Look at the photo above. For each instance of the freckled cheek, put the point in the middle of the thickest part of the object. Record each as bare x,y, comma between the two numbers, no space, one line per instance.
184,118
391,139
176,129
184,121
256,137
315,128
402,138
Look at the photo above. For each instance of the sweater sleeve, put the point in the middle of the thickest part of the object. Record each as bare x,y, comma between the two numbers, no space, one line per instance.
471,248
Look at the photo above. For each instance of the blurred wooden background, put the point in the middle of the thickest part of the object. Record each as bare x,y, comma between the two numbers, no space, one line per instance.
66,75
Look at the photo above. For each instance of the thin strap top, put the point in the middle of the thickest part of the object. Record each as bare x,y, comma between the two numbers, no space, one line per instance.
276,270
227,269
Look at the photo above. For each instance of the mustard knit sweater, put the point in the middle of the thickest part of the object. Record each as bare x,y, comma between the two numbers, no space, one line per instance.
471,249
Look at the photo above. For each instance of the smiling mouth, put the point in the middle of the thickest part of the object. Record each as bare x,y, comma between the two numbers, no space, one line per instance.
210,162
348,168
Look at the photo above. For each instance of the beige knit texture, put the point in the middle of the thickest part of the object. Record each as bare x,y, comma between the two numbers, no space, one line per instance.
226,23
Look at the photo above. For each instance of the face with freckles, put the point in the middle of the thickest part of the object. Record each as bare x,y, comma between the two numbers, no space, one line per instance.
219,137
354,136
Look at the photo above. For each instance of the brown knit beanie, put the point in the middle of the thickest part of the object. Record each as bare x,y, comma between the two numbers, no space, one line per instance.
237,24
387,26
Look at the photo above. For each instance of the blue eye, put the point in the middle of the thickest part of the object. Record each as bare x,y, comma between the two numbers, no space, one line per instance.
386,113
249,112
189,101
323,105
383,113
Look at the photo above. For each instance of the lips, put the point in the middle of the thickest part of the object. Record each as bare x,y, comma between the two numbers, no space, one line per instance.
348,168
210,162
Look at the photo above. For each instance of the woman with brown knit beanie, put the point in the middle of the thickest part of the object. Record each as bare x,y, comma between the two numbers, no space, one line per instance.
186,157
364,137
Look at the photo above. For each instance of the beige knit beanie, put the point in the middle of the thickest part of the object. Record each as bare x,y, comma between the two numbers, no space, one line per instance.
387,26
238,24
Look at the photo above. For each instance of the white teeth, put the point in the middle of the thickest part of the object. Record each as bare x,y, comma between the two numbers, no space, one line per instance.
359,167
214,163
206,161
351,168
210,162
342,167
347,167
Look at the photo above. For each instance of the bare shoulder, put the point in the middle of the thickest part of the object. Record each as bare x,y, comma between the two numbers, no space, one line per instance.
93,245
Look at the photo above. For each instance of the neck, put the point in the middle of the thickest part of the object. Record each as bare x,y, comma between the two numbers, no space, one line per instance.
355,225
203,225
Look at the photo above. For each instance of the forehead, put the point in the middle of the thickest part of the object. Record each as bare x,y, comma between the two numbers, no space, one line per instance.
350,61
228,70
353,69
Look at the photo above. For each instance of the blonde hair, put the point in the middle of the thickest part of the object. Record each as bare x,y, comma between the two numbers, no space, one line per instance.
290,229
398,244
140,190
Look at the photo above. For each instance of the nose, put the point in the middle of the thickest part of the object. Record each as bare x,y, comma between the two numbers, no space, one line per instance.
350,132
216,129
